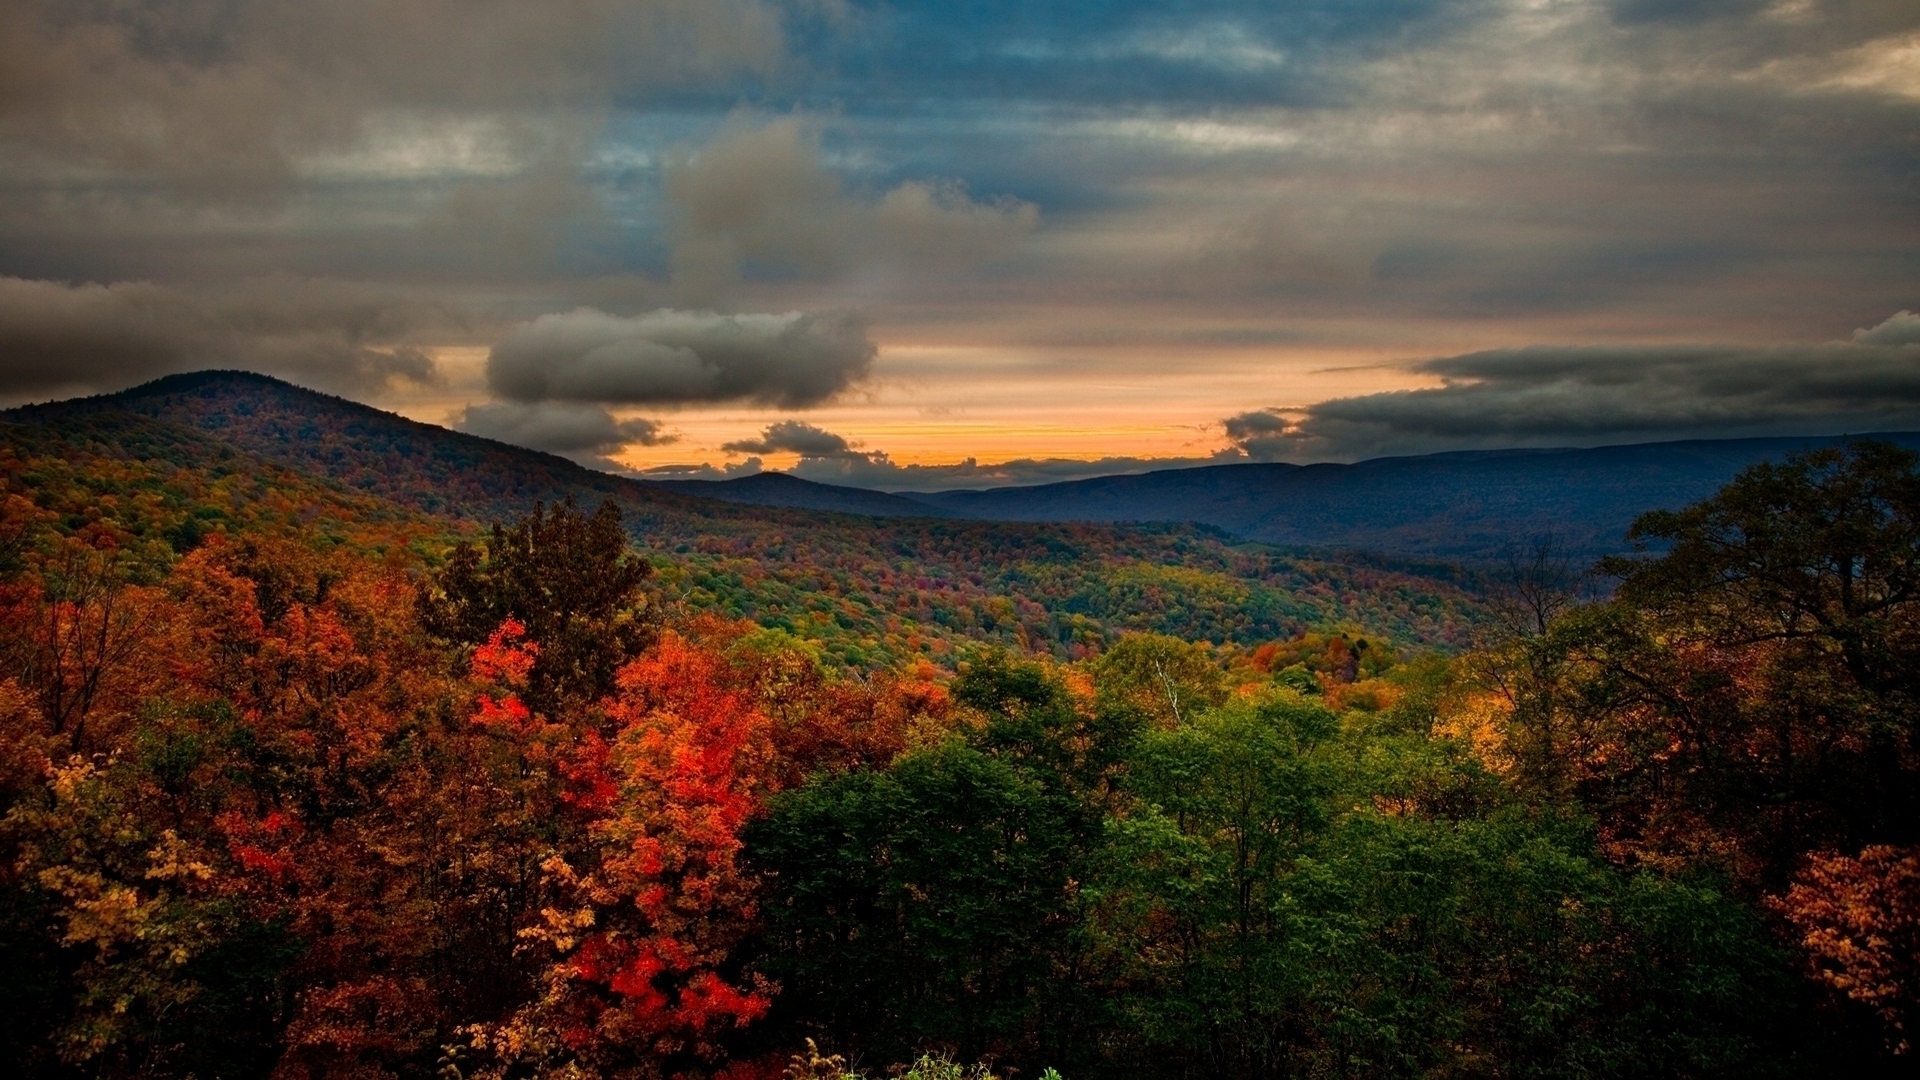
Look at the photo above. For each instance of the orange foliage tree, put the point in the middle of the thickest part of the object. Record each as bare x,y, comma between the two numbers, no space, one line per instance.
1860,924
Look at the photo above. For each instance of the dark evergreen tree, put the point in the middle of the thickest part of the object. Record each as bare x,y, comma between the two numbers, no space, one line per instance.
571,579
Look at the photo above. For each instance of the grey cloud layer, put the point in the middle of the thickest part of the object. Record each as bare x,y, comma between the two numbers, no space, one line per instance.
226,95
681,357
1373,175
1560,395
57,338
760,198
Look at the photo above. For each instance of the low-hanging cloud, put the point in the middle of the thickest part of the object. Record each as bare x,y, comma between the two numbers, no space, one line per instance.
762,199
1561,395
60,338
560,428
797,437
669,357
1262,434
875,469
829,457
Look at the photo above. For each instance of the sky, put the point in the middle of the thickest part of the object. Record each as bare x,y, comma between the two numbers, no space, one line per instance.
921,245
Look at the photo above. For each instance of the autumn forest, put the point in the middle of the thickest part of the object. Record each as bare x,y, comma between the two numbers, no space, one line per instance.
315,763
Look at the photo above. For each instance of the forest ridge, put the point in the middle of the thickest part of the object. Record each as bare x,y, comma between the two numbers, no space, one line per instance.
308,774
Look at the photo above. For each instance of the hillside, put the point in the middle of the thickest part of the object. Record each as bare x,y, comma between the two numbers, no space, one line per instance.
874,591
1460,506
151,490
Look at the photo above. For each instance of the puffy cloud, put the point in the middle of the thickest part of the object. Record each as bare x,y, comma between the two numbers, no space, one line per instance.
1262,435
680,357
1901,329
59,338
703,471
586,433
760,200
796,437
1562,395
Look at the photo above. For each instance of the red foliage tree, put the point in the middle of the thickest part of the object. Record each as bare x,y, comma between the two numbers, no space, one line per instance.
656,903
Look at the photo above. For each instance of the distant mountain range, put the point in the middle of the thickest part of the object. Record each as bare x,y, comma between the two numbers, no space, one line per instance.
1452,507
1448,506
1468,506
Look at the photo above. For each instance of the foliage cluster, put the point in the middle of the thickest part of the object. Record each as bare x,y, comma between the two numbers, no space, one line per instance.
301,793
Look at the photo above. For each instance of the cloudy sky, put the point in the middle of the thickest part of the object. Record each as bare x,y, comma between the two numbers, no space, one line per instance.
925,244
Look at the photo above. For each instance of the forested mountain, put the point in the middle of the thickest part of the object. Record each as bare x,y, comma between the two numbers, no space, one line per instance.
419,465
1467,506
870,590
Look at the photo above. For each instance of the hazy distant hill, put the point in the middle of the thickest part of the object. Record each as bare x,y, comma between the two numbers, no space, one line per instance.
784,489
1449,506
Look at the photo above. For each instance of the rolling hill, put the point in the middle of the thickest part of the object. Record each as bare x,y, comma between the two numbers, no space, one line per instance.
1461,506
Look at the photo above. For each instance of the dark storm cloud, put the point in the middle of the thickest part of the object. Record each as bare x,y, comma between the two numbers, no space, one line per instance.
58,338
681,357
1461,159
1561,395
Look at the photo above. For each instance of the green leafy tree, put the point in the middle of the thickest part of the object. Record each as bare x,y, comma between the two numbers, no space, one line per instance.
1164,677
921,903
1021,712
1223,807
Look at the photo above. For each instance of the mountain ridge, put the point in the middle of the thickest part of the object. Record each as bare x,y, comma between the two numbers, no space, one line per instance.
1463,505
1466,506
